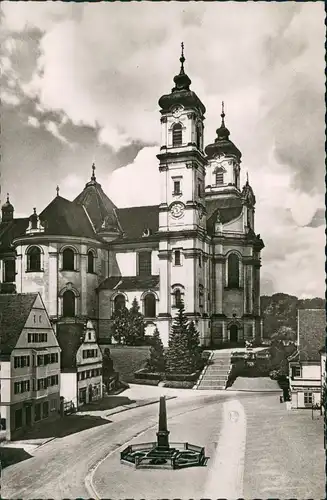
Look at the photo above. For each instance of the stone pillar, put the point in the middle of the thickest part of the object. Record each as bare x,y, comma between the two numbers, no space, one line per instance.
53,284
19,270
83,289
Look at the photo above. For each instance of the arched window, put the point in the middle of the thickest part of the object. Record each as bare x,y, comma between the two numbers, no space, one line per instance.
119,302
219,177
233,271
150,306
68,259
177,135
34,259
90,262
68,304
178,297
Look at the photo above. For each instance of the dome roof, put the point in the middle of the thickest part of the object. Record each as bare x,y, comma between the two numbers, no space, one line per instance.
181,93
7,206
222,144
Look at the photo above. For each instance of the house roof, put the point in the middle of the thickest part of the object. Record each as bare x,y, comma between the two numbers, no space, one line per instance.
129,283
96,202
228,209
14,312
134,220
66,218
70,337
311,333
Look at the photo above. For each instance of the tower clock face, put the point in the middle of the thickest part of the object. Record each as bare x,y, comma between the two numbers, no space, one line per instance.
177,210
177,111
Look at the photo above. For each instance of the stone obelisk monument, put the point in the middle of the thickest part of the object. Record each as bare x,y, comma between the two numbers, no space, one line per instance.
163,433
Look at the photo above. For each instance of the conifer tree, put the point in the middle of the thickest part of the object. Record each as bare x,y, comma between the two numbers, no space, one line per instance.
179,359
120,325
136,327
194,346
156,361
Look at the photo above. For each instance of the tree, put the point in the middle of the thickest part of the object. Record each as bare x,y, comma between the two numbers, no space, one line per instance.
128,326
194,346
136,327
284,333
156,361
179,358
120,325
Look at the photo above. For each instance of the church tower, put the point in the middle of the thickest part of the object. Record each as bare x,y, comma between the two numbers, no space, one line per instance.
235,258
182,215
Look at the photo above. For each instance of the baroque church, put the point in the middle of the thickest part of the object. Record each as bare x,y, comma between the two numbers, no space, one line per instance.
87,257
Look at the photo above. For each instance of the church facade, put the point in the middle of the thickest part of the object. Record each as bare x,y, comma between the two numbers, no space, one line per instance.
198,245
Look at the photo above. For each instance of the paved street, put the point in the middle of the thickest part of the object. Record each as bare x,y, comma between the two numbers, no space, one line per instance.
256,447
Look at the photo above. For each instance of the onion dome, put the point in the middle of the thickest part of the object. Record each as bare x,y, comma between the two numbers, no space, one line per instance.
247,193
222,145
181,93
7,211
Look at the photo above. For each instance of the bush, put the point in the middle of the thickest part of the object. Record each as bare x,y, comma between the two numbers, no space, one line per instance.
143,374
183,377
156,361
179,384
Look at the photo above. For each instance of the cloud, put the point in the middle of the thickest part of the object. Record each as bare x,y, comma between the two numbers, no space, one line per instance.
93,78
34,122
52,127
138,183
9,98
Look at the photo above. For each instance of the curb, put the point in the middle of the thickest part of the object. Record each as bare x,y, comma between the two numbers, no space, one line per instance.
122,408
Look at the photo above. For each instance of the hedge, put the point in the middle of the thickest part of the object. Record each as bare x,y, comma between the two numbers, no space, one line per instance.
179,384
183,377
144,375
146,382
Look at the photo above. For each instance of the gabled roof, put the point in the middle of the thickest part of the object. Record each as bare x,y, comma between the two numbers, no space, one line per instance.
70,337
311,333
134,220
14,312
65,218
228,208
129,283
96,202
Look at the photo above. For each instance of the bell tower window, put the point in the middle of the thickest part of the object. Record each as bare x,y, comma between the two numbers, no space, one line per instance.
219,177
177,135
177,187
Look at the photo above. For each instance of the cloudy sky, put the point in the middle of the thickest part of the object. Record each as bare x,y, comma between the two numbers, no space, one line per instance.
81,82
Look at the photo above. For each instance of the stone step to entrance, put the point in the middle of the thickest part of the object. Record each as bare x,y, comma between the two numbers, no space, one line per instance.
213,382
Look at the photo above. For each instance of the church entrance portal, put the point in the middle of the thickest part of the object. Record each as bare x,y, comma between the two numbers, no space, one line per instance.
233,333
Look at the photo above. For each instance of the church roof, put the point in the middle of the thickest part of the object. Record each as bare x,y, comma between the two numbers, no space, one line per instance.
14,312
11,230
130,283
311,333
96,202
228,208
134,220
66,218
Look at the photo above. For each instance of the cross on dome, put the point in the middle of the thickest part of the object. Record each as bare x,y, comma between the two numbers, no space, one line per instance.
93,178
